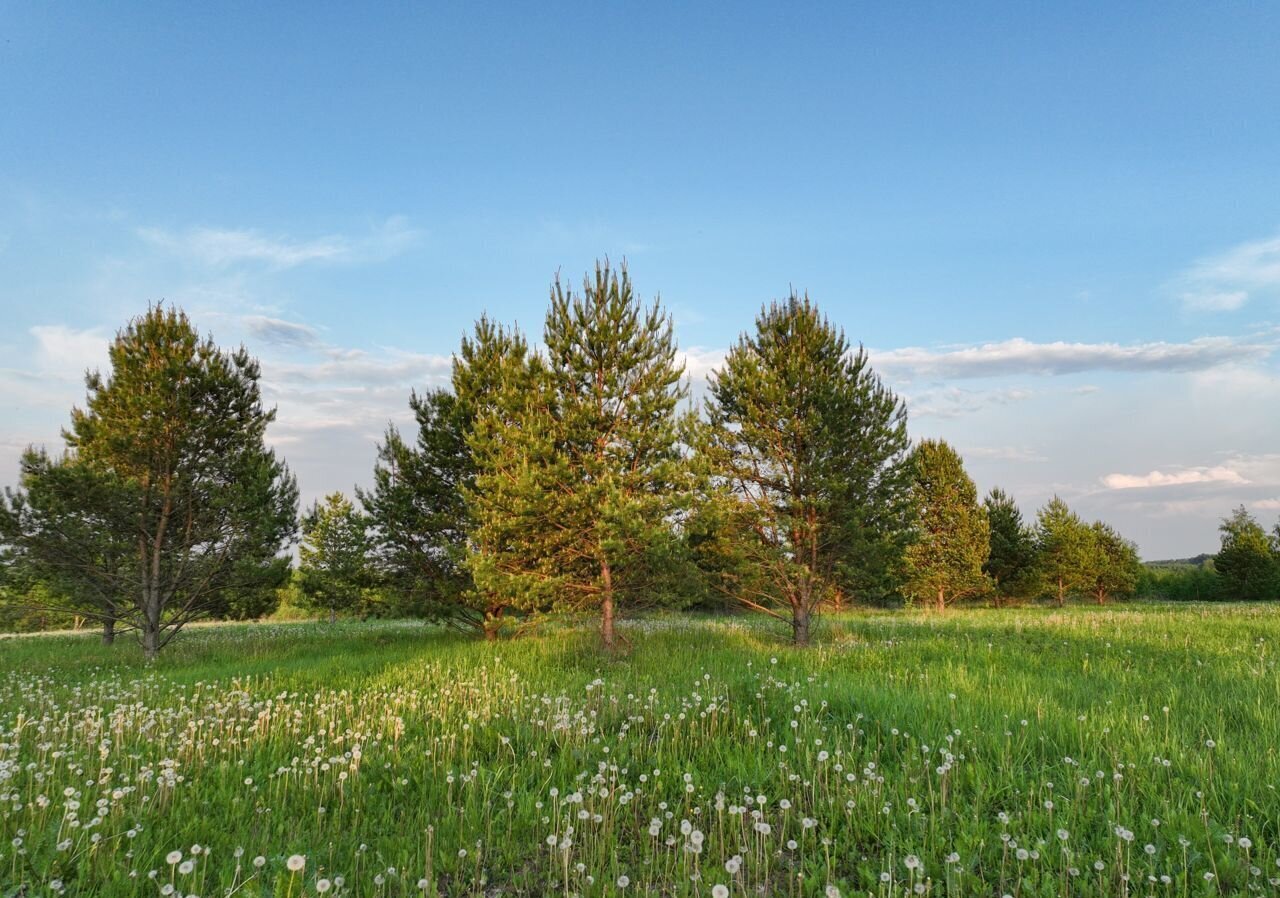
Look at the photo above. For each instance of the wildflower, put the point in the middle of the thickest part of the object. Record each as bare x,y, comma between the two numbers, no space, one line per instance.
719,890
295,863
173,857
623,881
323,885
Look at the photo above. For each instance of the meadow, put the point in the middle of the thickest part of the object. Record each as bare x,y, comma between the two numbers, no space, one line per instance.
1024,752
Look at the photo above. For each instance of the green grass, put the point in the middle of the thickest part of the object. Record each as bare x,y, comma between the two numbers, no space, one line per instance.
1024,752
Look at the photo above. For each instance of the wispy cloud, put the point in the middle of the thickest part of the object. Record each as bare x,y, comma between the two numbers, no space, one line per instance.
1019,356
1226,281
1004,453
1180,477
65,352
951,402
226,247
280,332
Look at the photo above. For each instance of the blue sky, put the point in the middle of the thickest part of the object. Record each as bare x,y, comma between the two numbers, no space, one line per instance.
1057,229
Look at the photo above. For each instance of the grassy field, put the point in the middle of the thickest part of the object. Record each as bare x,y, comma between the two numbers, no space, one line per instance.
1128,751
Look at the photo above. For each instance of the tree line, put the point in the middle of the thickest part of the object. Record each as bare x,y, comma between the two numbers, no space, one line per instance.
575,477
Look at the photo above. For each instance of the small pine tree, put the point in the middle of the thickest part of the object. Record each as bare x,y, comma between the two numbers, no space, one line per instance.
1116,567
1246,562
1011,559
1064,550
333,559
950,534
417,514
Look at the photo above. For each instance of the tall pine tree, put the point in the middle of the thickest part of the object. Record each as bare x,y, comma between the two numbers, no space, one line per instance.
809,450
425,507
580,468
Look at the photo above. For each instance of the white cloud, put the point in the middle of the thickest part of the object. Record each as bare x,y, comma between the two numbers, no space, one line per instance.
223,247
1182,477
1019,356
1226,281
65,352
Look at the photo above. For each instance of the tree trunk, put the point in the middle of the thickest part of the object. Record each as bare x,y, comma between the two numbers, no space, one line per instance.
333,615
942,599
1102,597
108,632
151,639
606,606
492,622
800,623
1062,593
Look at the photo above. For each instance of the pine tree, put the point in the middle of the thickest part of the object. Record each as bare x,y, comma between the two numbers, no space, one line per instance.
1064,549
950,534
417,513
1116,567
579,462
1246,562
171,454
69,531
333,560
1011,559
809,451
